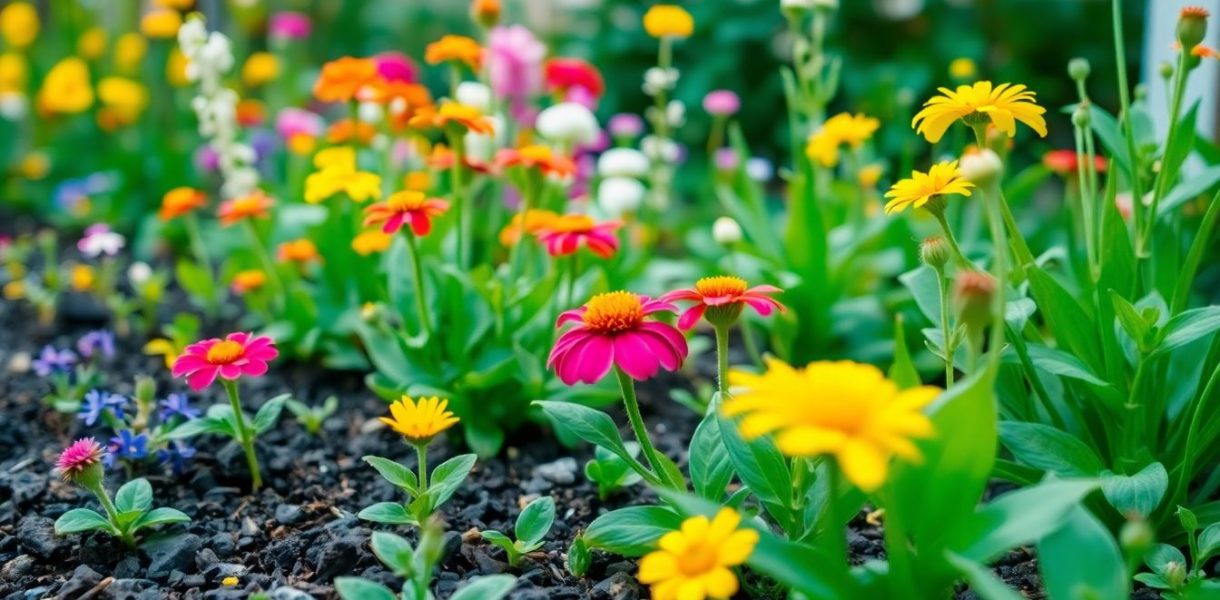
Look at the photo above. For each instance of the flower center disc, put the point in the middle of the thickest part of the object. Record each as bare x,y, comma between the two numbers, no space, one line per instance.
698,559
573,224
405,201
224,352
723,285
614,312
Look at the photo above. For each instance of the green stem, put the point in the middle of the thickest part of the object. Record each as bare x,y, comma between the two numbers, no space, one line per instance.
1124,95
421,302
421,454
1161,185
113,514
958,257
458,190
1131,420
244,436
632,404
833,538
722,362
947,344
1001,273
1188,455
897,547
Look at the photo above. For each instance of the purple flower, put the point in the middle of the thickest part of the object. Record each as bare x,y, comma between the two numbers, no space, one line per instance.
176,453
97,402
626,125
96,342
726,159
177,405
289,25
721,103
51,361
127,445
515,64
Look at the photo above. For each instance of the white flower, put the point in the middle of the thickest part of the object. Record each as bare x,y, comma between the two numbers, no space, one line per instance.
12,106
661,150
981,167
658,80
760,169
675,113
622,162
725,230
473,93
618,195
371,112
568,123
139,273
99,240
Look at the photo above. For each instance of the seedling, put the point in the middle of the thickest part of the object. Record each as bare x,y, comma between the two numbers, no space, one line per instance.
610,472
312,417
533,524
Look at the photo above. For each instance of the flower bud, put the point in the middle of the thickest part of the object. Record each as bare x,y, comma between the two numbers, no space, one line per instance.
1136,537
1078,69
485,12
726,231
1166,70
1175,574
934,251
1081,117
981,167
146,391
973,293
1192,27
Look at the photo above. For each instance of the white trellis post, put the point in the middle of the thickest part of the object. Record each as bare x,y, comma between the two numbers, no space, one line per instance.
1204,83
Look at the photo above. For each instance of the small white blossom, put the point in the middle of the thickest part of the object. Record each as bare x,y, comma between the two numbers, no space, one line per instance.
725,230
568,123
619,195
660,149
657,80
473,93
139,273
622,162
100,240
760,169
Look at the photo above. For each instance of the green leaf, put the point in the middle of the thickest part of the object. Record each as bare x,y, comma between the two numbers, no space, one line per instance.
82,519
1064,316
802,567
1050,449
1188,189
394,473
761,467
136,494
1081,560
631,531
202,425
486,587
1209,543
394,552
902,370
1161,555
925,289
502,542
588,424
1021,517
447,477
1187,327
1063,364
1140,493
711,470
535,521
269,413
579,557
161,516
983,582
356,588
391,513
196,280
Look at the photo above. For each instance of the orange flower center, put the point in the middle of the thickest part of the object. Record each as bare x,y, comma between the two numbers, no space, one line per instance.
614,312
724,285
698,559
225,352
405,201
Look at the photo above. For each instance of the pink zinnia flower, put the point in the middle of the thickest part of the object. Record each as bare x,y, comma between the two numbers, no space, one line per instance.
613,330
236,355
81,455
575,80
396,66
722,103
724,293
564,235
626,125
293,121
515,65
289,25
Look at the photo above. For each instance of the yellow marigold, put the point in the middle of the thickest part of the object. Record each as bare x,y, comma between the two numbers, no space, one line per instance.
14,73
175,68
421,421
161,23
335,157
536,220
340,79
963,69
92,43
129,50
300,250
839,130
180,201
844,409
125,97
19,24
869,175
462,116
82,278
247,281
371,242
696,562
457,48
942,179
260,68
360,186
66,88
668,20
976,104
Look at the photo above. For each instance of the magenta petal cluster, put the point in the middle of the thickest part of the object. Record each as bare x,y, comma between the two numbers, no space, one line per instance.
237,355
614,330
515,64
82,454
723,291
722,103
289,25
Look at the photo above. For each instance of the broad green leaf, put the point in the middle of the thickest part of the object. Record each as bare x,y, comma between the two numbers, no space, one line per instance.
136,494
1021,517
392,513
761,467
394,473
355,588
902,370
588,424
1188,189
486,587
202,425
1209,543
1183,140
269,413
499,540
82,519
161,516
711,470
1064,316
925,290
1048,448
1187,327
1141,492
1161,556
447,477
394,552
1063,364
1081,560
631,531
983,582
535,521
579,557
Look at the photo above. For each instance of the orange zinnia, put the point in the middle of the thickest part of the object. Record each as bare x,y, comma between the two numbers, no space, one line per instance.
536,220
299,251
180,201
345,130
455,47
254,205
341,79
536,157
461,115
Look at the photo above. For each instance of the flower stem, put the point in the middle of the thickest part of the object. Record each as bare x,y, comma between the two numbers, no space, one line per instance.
833,538
1161,185
421,453
958,257
244,436
1124,96
632,405
948,345
421,303
113,514
722,363
459,193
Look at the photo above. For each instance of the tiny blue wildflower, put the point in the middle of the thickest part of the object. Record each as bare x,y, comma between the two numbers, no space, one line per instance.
97,402
98,342
176,453
127,446
51,361
177,405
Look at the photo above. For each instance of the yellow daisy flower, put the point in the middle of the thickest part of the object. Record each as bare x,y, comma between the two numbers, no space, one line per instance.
422,421
844,409
695,562
1002,105
839,130
668,20
943,178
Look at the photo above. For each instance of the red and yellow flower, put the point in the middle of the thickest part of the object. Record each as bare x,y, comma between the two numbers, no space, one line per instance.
405,207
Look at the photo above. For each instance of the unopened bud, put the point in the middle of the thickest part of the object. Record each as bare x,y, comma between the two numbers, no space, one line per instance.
973,293
146,390
981,167
485,12
1175,574
1166,70
934,251
1081,117
1078,69
1192,27
725,230
1136,537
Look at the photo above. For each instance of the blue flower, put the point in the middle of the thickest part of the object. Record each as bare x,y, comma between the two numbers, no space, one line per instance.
177,405
97,402
127,446
176,453
99,342
51,361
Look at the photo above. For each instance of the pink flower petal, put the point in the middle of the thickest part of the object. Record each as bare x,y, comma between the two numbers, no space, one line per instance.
202,378
187,363
633,354
667,355
230,372
764,306
254,368
673,336
691,316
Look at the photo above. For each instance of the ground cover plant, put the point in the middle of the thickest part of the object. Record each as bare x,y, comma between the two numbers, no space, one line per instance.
549,323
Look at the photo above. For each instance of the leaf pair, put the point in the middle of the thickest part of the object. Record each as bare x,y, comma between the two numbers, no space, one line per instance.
133,512
423,499
531,528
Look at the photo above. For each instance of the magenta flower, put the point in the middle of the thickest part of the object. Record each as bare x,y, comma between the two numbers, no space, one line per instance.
293,121
726,294
515,65
236,355
396,66
614,330
721,103
626,125
81,455
289,25
564,235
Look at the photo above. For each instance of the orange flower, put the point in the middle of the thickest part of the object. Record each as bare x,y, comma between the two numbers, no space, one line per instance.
406,207
247,281
455,47
300,250
536,220
371,241
251,113
536,157
384,91
1202,51
461,116
345,130
441,159
255,205
180,201
341,79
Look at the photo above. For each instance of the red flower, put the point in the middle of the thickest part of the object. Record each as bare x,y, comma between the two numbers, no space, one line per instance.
408,206
1066,162
566,74
236,355
724,292
564,236
613,330
81,455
